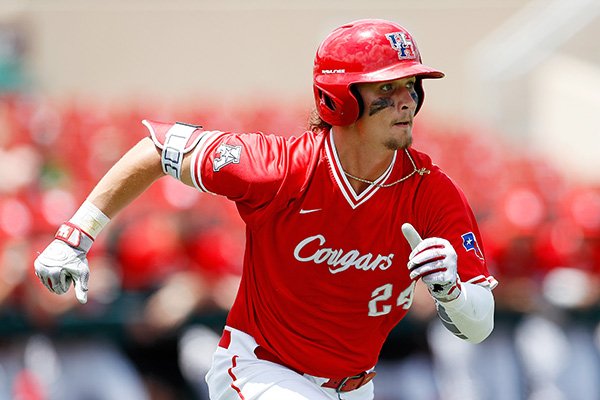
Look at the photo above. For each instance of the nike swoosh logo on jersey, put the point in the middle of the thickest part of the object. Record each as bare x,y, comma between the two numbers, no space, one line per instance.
303,211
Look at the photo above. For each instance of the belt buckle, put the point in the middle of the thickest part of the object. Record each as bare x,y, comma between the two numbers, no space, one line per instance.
343,382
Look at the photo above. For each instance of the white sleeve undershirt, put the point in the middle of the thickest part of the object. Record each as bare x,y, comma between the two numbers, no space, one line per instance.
471,315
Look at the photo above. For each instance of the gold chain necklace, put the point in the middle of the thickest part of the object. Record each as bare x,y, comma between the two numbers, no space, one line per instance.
420,171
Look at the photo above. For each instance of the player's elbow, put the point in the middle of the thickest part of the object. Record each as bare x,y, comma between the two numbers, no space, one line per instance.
482,334
472,332
483,326
473,318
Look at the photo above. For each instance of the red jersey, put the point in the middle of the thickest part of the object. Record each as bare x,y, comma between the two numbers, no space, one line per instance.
325,276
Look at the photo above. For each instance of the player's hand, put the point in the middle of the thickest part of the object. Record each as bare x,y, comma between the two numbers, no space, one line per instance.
434,261
60,263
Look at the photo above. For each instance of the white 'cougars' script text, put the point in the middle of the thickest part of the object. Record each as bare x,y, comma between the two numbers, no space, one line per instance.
338,259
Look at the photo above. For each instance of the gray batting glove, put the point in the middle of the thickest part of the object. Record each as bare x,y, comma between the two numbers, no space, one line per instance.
65,260
434,261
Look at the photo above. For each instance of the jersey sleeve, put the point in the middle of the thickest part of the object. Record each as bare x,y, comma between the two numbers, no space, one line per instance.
257,171
446,213
246,168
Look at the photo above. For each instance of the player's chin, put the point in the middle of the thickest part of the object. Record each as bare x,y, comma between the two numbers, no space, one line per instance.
400,143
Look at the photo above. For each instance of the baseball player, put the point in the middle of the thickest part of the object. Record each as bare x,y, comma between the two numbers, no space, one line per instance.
342,222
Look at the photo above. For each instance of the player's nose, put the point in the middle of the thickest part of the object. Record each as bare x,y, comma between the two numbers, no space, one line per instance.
406,98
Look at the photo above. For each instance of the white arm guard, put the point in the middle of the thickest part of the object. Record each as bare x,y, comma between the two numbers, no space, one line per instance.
471,315
174,141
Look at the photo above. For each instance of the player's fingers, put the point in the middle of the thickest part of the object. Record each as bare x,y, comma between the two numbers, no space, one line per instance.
435,243
65,281
425,272
81,288
47,281
51,281
412,236
427,269
428,256
38,268
41,278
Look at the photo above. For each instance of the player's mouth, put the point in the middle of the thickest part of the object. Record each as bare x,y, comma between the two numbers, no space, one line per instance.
403,124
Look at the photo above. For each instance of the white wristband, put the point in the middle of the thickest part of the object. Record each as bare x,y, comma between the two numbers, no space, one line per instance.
90,219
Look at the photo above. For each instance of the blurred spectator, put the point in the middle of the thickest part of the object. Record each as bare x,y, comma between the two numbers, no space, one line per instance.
13,51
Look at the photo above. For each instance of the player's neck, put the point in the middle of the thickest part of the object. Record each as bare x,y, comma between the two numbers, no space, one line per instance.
360,158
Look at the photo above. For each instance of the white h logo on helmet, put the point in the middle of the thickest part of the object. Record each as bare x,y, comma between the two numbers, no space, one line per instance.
402,44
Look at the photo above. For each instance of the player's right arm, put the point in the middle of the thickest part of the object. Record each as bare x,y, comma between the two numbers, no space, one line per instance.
179,150
128,178
65,258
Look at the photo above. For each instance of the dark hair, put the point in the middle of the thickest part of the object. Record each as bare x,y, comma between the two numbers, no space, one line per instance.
316,123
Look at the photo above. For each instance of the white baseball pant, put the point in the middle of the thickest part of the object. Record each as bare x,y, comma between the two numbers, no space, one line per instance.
237,374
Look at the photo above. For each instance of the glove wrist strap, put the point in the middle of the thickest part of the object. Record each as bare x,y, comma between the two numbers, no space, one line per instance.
75,237
446,293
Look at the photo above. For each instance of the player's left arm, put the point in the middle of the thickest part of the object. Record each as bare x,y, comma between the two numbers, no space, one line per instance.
465,309
450,260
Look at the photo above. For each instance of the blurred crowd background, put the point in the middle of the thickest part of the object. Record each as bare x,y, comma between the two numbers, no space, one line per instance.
514,123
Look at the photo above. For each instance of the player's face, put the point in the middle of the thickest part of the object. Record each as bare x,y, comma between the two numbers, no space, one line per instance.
389,108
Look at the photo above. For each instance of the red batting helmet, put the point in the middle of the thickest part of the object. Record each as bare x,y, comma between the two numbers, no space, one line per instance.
368,50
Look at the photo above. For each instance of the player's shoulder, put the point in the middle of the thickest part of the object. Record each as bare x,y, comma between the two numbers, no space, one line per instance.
436,177
305,141
304,151
296,154
423,160
308,138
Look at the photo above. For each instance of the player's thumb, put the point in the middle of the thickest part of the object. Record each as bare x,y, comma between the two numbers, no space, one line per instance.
81,287
412,236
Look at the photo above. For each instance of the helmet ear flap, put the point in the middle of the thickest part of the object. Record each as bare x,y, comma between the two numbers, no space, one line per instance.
420,93
335,105
326,100
359,100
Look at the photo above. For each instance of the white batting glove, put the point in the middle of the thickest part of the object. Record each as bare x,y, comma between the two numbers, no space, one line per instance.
65,260
434,261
